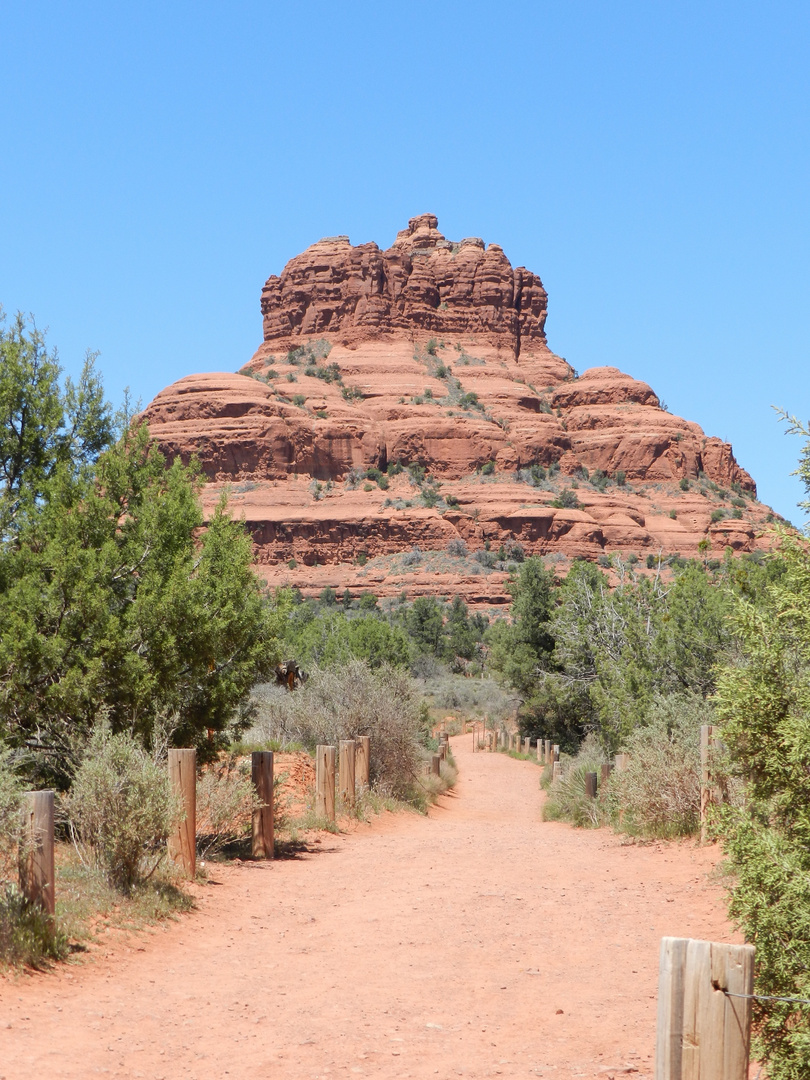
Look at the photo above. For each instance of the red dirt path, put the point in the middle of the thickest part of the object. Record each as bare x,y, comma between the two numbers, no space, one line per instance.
476,942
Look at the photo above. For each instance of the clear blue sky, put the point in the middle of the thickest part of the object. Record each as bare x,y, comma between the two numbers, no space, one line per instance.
648,159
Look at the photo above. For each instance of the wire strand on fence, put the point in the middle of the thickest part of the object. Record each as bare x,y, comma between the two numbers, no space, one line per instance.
768,997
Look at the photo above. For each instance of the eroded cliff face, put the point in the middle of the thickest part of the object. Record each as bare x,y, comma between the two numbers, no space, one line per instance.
433,354
422,283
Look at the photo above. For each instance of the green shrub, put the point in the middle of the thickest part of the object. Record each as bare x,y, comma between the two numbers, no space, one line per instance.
566,500
717,515
121,809
764,708
351,393
488,468
11,789
621,478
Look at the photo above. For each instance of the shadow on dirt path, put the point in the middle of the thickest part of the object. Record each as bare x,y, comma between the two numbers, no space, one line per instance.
475,942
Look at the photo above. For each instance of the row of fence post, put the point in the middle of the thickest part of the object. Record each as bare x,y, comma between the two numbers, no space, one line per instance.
37,870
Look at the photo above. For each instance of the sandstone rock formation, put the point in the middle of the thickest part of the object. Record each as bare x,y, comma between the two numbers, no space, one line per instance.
433,355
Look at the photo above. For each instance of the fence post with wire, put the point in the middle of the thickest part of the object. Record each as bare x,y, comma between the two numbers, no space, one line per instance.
705,991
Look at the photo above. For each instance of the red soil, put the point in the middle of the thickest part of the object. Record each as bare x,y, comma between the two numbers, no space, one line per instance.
478,941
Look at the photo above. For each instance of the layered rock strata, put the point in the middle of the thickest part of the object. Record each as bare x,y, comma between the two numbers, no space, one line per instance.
433,354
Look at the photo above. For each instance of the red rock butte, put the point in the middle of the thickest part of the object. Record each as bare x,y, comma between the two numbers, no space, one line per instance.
433,355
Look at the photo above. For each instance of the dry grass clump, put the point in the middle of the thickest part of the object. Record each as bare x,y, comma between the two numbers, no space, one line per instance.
226,801
567,799
658,795
342,704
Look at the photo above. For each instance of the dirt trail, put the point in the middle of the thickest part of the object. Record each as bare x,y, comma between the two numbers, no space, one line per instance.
476,942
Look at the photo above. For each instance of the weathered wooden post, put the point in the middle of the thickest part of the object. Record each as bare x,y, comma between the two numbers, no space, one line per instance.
621,761
436,765
362,762
262,838
590,785
539,751
547,751
707,788
347,772
555,752
183,840
604,773
556,771
527,744
325,782
702,1031
37,874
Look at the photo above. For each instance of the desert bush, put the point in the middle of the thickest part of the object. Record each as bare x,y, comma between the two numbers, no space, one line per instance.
412,557
457,548
226,801
567,800
121,808
474,698
566,500
342,704
659,793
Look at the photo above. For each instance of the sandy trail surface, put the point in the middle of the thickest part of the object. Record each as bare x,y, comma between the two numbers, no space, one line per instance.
478,941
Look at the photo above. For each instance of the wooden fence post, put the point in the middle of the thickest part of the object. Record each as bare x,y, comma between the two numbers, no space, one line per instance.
556,771
436,765
183,840
325,781
590,784
702,1032
707,789
37,876
604,773
555,753
527,743
347,772
362,762
539,751
547,751
262,836
621,762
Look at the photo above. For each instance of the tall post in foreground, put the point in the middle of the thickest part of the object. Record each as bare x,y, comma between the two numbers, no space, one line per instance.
362,762
527,743
556,771
183,840
547,751
707,792
325,782
540,758
36,851
347,772
702,1032
262,838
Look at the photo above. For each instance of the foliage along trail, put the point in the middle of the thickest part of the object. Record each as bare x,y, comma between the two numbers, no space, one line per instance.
478,941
